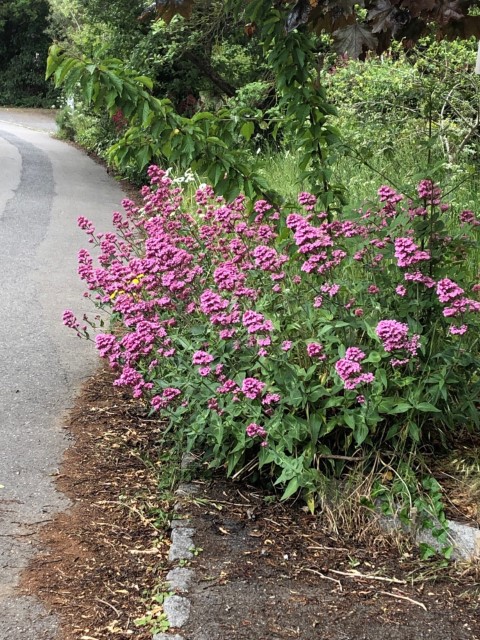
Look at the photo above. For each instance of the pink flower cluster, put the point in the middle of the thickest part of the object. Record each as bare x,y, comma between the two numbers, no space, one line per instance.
252,388
407,252
255,322
468,217
202,357
253,430
315,350
430,192
188,290
394,336
449,292
350,369
167,396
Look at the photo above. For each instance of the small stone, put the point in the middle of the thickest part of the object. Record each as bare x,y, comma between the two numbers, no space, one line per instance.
180,578
167,636
177,610
182,544
186,489
180,522
187,460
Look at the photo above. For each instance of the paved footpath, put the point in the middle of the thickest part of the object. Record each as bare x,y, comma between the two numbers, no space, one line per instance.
45,184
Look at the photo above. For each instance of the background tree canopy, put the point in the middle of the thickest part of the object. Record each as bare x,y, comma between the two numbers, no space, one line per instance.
215,50
23,49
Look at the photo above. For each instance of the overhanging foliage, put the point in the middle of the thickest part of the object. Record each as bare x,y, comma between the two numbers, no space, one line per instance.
357,26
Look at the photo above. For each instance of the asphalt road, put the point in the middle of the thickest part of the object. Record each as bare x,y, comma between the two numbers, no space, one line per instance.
45,184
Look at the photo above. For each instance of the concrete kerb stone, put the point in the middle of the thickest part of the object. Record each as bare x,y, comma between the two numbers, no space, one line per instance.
179,579
464,538
182,544
177,607
177,610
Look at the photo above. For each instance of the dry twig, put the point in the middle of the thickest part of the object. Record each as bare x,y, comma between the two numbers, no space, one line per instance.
322,575
400,597
364,576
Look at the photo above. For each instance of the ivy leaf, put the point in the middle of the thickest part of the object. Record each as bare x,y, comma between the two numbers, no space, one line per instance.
353,39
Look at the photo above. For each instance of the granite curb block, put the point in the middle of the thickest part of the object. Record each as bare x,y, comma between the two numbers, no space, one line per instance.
464,538
177,607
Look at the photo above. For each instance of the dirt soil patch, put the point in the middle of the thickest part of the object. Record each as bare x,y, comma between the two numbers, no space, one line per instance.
263,570
102,559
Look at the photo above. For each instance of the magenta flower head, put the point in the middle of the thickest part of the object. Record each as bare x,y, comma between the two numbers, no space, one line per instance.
387,194
468,217
252,387
254,429
458,330
429,191
210,302
106,344
315,350
167,396
271,398
202,357
392,333
69,319
86,225
347,368
354,354
307,200
255,322
408,253
448,290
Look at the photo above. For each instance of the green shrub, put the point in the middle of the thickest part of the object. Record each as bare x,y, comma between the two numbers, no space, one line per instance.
288,346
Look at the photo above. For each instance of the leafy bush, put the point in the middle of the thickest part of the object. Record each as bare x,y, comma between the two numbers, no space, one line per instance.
391,103
95,133
289,343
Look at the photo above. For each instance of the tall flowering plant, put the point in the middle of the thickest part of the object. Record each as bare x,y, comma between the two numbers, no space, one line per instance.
287,343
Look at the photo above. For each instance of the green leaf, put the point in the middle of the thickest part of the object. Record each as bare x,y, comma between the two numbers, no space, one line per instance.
143,156
215,140
247,129
145,81
381,376
360,433
426,551
414,431
115,81
63,70
401,407
292,487
427,407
